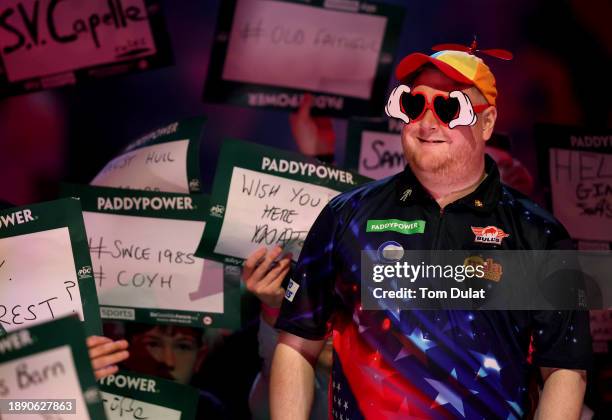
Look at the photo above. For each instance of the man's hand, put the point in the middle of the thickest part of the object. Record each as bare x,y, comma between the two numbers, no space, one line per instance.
563,394
313,135
105,354
263,277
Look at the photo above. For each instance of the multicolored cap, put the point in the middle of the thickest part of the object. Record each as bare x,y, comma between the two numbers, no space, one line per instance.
462,66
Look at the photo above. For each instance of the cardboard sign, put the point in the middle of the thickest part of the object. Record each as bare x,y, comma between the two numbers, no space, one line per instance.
578,172
374,147
265,196
142,247
45,269
50,43
49,361
135,396
166,159
268,52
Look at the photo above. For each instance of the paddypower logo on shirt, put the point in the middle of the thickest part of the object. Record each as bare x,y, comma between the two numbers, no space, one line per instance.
405,227
144,203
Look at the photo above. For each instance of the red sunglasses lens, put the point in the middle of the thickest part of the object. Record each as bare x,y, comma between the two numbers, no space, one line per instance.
413,105
446,108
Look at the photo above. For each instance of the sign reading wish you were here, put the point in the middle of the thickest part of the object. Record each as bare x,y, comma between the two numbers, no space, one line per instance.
265,197
268,52
142,246
45,269
49,43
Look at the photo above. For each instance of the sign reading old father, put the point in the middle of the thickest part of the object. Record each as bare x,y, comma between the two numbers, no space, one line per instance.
266,53
266,197
49,43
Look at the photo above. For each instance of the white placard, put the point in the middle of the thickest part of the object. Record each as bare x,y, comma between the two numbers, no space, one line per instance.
303,47
381,154
118,407
47,375
267,210
45,37
581,192
144,262
37,279
159,167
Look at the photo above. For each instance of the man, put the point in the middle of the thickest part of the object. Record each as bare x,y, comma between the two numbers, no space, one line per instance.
428,364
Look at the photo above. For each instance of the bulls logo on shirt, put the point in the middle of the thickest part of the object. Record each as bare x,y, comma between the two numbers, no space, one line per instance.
489,235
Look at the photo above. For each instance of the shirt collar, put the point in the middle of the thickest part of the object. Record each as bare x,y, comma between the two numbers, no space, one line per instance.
483,199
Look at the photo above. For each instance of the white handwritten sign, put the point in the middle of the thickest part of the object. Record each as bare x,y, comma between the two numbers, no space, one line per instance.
381,154
303,47
38,279
165,159
131,395
265,209
37,376
159,167
144,262
118,407
45,37
581,186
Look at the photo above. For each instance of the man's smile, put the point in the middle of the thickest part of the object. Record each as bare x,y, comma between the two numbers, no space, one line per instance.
430,141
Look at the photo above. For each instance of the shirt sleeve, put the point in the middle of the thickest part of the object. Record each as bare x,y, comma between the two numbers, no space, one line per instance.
561,339
308,303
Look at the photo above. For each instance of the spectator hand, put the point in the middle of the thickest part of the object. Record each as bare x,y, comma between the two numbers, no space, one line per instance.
263,277
105,354
314,136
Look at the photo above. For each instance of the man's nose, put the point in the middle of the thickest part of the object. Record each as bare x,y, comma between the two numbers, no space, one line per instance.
168,356
429,122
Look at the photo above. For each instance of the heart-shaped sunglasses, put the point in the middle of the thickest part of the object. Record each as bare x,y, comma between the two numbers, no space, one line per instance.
452,109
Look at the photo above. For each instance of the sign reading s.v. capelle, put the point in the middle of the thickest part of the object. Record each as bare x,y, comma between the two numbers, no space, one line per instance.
267,53
374,147
147,397
142,246
166,159
45,268
266,196
50,361
51,43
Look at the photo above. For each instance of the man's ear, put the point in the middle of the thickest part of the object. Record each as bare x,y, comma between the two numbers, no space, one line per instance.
488,118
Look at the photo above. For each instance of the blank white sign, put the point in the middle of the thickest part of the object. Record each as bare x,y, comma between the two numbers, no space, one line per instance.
303,47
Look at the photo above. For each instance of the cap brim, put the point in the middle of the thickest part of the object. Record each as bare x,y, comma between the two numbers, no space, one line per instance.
415,61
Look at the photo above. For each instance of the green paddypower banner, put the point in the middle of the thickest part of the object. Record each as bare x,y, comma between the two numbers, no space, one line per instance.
51,362
266,196
142,246
165,159
45,268
141,396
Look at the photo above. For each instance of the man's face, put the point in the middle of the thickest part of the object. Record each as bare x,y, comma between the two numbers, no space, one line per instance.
431,146
176,353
